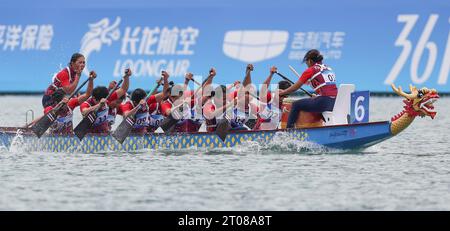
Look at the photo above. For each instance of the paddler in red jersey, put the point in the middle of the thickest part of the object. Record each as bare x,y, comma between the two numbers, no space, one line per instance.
270,104
143,113
182,101
216,106
67,79
114,106
98,101
214,101
198,99
245,109
323,81
63,125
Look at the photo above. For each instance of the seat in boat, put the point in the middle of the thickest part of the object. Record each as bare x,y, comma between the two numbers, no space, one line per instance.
341,109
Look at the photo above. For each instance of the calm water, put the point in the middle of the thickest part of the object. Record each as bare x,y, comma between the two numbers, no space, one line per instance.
408,172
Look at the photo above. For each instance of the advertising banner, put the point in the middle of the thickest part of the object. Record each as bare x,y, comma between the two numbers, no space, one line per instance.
367,43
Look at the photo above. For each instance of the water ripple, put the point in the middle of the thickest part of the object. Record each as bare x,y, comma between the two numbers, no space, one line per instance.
407,172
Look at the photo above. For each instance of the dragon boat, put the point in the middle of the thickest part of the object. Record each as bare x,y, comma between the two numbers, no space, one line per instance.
331,129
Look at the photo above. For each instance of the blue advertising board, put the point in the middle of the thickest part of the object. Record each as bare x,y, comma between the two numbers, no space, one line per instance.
368,43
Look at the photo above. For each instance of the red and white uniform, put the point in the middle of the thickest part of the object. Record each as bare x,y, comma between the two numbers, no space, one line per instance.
112,113
211,122
62,79
101,124
141,116
155,116
239,117
270,115
63,124
321,78
188,123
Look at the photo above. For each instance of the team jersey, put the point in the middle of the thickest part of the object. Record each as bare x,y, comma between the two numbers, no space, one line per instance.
112,114
63,124
269,116
321,78
101,124
188,114
239,117
155,117
143,115
114,110
211,122
62,79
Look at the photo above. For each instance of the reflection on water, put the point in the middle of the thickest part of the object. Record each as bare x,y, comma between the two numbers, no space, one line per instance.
407,172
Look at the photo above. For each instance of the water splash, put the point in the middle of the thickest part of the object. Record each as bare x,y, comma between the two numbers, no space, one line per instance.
247,147
284,142
281,143
18,144
3,149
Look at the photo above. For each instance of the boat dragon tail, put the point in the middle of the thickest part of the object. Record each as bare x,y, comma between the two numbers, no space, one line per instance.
417,103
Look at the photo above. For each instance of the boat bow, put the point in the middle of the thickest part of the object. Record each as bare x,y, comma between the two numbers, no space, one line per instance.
420,102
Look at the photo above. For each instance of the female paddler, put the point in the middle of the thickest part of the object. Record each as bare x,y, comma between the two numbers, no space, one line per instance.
322,80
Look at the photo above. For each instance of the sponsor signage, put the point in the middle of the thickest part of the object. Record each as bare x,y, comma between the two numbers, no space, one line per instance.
408,43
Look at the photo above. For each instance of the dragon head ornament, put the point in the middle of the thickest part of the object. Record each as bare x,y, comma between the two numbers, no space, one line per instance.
419,102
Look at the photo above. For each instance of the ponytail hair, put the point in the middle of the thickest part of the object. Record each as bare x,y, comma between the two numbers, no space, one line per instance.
314,55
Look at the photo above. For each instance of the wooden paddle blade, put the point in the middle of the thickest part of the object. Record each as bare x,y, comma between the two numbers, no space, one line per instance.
41,126
84,126
222,128
124,129
168,123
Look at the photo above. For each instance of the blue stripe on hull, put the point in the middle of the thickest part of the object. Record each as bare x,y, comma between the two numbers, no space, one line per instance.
351,136
342,137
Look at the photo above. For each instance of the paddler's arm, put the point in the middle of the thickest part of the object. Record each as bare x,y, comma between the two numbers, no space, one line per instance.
133,111
188,77
90,87
232,103
160,96
166,85
126,83
222,109
212,73
265,85
167,109
248,77
72,86
85,111
294,87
